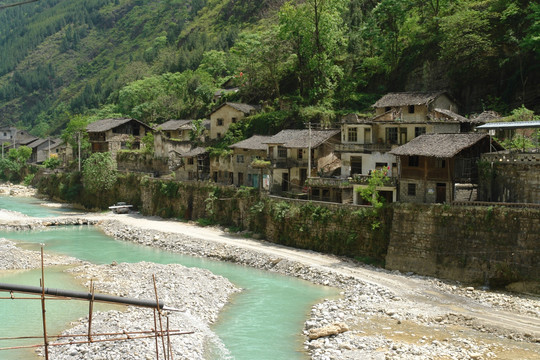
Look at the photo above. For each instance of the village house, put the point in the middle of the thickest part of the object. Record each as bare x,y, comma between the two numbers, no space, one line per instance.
193,164
42,149
432,165
174,137
399,118
244,154
226,114
112,135
290,156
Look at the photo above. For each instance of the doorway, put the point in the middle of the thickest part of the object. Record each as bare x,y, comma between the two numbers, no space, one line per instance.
441,193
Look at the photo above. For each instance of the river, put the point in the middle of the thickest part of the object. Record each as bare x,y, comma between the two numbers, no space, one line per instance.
264,321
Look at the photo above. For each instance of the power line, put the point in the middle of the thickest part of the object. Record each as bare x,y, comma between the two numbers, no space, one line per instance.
16,4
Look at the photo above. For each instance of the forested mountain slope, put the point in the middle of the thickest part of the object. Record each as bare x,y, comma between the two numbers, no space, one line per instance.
164,59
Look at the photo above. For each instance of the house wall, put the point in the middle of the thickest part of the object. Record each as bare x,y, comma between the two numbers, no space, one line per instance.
446,128
444,102
187,171
227,113
221,168
421,111
426,191
369,162
245,166
510,178
164,146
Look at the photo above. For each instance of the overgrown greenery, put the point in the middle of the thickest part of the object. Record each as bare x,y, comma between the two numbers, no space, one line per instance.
14,167
316,58
99,173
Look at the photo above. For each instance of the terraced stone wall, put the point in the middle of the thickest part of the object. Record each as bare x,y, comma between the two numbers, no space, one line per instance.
486,245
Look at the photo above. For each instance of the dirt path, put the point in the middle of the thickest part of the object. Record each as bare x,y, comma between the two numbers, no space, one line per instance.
416,289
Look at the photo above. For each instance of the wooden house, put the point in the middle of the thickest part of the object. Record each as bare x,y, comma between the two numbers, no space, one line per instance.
112,135
431,165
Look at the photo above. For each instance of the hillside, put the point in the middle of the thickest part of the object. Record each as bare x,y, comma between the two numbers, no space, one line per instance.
165,59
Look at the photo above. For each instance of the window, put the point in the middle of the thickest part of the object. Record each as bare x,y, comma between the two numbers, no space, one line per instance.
190,161
381,165
411,109
240,159
220,122
440,163
352,134
281,152
356,165
387,109
300,154
233,120
414,161
411,189
219,135
367,136
419,130
391,135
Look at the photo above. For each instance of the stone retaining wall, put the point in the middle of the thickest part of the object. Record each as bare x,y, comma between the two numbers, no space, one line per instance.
486,245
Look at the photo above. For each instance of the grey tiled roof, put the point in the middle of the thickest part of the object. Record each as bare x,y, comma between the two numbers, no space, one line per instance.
407,98
453,115
438,145
108,124
256,142
173,125
245,108
194,152
487,116
301,138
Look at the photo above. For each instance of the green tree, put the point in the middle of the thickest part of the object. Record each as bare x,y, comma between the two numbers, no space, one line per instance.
370,193
316,33
99,173
20,154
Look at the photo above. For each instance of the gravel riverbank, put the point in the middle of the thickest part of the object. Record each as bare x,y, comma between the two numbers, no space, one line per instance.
382,324
386,315
197,292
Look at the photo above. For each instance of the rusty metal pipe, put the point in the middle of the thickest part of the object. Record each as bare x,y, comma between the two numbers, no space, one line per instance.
85,296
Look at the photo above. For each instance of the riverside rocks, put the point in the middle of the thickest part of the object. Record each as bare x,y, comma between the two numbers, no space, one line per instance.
382,325
197,292
14,258
17,190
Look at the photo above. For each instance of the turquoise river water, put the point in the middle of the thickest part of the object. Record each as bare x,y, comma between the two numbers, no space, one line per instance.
264,321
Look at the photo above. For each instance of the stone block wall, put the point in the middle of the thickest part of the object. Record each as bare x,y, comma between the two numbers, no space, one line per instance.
511,178
491,245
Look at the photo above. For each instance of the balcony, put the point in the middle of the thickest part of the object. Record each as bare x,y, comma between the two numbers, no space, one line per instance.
364,180
328,182
291,163
363,148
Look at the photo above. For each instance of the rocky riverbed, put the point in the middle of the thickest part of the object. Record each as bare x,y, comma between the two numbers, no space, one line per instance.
381,314
199,294
381,324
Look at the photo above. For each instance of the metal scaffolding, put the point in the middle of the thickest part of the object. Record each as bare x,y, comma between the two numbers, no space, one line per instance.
160,334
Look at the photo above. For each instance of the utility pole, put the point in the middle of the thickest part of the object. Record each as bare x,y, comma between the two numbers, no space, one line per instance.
309,152
79,148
